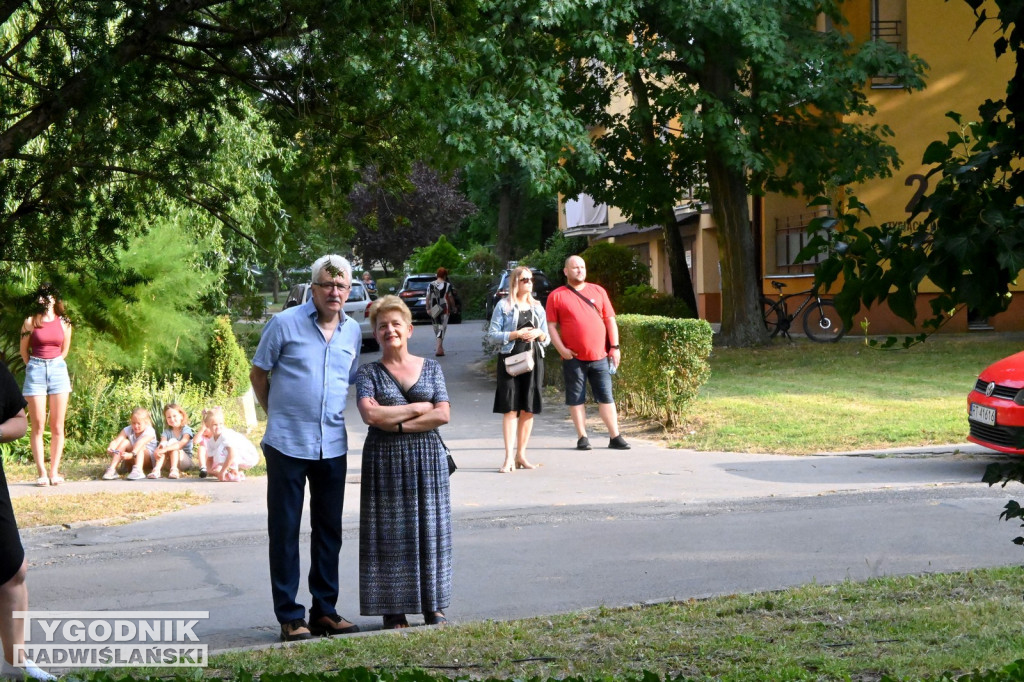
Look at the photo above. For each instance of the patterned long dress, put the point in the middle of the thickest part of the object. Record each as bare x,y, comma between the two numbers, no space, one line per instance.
405,525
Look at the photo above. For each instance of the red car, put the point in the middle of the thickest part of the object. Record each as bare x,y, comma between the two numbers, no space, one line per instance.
995,408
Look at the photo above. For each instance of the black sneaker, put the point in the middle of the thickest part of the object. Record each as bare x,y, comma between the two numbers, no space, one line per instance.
618,443
583,443
294,631
202,473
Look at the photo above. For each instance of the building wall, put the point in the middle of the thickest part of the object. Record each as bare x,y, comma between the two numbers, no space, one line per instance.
963,72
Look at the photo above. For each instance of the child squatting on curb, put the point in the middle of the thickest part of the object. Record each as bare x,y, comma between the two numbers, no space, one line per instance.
218,450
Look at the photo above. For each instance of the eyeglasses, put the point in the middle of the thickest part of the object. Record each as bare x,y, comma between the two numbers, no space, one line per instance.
525,279
331,285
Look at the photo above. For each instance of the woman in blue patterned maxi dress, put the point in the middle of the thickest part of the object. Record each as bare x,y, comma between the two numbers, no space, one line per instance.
405,529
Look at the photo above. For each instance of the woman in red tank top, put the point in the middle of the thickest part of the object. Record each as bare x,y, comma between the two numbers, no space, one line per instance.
45,342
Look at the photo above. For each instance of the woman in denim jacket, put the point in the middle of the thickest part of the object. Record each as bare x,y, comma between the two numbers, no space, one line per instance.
517,321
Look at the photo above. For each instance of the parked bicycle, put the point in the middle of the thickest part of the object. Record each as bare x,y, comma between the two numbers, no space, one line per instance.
821,321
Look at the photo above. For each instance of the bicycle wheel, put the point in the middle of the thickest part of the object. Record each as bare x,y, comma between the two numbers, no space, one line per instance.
822,322
775,319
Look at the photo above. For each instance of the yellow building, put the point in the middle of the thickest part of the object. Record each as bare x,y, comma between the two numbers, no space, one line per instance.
963,72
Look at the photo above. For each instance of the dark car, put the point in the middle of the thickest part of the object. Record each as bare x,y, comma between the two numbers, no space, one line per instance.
995,407
414,293
498,290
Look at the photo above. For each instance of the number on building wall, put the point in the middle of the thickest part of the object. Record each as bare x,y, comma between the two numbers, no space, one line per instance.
922,187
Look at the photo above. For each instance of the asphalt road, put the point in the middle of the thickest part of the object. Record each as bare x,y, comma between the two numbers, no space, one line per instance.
587,529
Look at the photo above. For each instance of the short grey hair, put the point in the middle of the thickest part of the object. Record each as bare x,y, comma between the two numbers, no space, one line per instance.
336,262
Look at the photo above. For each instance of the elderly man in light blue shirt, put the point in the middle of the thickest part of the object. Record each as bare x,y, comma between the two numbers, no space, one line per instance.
306,359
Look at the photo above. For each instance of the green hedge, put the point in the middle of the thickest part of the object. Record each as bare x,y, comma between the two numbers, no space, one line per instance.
473,294
664,364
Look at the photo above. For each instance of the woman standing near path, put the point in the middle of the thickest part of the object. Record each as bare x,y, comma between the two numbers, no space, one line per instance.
519,324
13,566
405,524
45,342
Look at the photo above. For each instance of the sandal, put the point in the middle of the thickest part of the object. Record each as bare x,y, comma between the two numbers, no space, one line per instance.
42,482
395,622
153,474
173,473
56,480
435,618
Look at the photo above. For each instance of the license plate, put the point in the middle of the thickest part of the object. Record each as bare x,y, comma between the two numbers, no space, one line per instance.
985,415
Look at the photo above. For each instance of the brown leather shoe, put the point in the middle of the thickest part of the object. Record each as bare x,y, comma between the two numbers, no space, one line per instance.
325,626
294,631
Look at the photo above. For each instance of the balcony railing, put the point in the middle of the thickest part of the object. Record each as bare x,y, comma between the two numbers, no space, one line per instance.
891,32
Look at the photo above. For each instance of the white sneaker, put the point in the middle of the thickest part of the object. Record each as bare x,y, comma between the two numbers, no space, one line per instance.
135,474
30,672
110,474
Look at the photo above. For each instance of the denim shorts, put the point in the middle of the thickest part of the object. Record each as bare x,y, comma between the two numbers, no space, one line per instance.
578,372
46,377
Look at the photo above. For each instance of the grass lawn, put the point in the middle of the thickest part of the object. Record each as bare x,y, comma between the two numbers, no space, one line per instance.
803,397
109,509
909,627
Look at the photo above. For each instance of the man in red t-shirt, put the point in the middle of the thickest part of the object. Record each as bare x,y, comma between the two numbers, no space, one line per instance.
581,322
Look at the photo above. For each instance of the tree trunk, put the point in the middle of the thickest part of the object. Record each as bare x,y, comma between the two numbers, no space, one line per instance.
675,252
742,316
742,319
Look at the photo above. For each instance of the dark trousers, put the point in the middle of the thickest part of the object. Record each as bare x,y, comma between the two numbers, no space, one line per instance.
286,482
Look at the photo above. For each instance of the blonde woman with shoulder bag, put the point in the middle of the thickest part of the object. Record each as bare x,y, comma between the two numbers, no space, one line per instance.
519,325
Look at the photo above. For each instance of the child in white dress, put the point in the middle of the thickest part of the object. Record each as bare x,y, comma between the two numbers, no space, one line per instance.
228,452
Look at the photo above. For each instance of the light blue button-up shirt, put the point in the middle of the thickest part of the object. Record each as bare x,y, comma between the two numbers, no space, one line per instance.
309,380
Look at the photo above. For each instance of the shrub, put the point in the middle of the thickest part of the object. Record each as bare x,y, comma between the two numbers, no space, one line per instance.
472,291
665,365
439,254
551,260
389,285
615,267
228,365
665,362
646,300
481,260
101,405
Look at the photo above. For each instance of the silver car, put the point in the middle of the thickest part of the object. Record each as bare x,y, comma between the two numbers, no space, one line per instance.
356,306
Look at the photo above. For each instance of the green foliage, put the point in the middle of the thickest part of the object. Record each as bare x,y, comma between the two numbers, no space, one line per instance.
664,367
615,267
162,319
439,254
472,290
388,285
551,261
228,365
643,299
101,405
725,100
481,260
1002,473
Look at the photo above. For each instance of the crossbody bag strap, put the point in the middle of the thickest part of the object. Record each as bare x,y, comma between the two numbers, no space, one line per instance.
589,302
596,311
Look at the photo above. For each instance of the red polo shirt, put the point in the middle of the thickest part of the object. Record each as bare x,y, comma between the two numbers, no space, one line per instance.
581,327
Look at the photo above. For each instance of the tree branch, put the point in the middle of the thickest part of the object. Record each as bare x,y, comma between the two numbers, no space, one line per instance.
81,88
